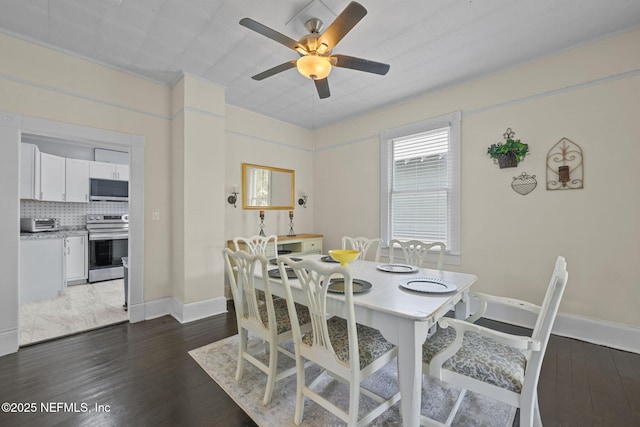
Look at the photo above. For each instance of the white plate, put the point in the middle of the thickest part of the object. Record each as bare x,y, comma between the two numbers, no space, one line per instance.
397,268
432,285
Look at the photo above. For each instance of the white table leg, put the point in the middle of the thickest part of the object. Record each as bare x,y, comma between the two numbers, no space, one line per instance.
411,335
463,308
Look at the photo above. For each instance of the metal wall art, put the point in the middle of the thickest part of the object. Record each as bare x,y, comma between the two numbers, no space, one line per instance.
524,183
565,166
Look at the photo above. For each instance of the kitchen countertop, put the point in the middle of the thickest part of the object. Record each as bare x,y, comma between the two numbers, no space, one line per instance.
60,234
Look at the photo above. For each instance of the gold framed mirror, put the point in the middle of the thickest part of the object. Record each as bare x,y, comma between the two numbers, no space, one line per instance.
266,187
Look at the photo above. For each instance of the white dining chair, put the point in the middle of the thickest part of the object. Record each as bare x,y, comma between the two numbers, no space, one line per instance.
258,245
268,319
369,248
348,351
416,252
502,366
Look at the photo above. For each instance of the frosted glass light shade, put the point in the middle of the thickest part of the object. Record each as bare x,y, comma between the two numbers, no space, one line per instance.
314,67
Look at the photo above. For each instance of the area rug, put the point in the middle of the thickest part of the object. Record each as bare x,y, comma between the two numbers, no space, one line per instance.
218,359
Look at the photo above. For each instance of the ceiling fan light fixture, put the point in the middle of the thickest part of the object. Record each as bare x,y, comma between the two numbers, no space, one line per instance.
322,49
314,67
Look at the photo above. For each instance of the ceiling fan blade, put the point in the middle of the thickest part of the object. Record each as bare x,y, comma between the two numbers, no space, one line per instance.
272,34
275,70
359,64
350,16
322,85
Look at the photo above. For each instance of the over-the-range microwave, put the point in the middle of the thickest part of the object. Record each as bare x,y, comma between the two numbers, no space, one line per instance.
109,190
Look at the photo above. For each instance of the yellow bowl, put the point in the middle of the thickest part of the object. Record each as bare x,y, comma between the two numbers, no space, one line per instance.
344,256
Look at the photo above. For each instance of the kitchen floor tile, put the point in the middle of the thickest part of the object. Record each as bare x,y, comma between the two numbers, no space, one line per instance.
79,308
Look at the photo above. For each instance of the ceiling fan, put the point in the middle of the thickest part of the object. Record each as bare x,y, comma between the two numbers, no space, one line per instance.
315,48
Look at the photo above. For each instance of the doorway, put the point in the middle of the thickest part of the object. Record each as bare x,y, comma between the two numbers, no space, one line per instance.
83,135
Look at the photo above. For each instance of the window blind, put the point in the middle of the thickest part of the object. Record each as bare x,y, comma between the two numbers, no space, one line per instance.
419,190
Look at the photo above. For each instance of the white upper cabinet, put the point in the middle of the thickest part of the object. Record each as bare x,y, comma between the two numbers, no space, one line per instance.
102,170
52,177
29,171
77,180
123,172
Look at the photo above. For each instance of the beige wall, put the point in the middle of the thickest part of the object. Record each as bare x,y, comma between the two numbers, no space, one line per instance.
199,187
252,138
191,160
194,145
590,95
43,83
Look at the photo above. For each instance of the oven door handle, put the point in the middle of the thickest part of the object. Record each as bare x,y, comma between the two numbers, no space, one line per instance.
108,236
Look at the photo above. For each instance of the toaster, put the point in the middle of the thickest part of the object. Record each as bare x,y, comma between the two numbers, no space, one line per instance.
33,225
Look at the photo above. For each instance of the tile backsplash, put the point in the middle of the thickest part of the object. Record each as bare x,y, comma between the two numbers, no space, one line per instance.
70,214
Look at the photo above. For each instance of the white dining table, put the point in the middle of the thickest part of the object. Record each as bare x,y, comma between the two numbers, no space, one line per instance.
404,317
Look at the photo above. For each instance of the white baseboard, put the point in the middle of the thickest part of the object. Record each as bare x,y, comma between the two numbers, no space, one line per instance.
609,334
185,313
157,308
614,335
8,341
136,312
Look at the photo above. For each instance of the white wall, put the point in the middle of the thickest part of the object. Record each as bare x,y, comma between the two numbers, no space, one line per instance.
590,95
9,218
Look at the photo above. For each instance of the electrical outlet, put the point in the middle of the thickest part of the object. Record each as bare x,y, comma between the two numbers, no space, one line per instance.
155,215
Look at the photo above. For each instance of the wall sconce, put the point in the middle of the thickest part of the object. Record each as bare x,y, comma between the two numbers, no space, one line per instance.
233,197
563,175
302,201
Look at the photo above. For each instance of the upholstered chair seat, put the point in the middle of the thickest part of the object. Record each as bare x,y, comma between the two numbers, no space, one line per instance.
371,343
282,315
481,358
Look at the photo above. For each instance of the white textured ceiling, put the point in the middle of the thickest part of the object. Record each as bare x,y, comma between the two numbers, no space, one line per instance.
428,43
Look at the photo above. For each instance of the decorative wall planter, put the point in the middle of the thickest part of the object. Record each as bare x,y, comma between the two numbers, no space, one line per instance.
509,153
507,160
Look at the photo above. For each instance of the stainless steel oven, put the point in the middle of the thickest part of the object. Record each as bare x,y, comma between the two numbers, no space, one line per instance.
108,244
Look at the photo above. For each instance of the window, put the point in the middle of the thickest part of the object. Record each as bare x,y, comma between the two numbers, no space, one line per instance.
259,187
420,188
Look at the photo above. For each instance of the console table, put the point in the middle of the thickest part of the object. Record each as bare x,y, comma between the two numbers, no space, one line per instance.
300,244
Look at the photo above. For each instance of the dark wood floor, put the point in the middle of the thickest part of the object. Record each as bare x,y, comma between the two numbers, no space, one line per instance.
143,373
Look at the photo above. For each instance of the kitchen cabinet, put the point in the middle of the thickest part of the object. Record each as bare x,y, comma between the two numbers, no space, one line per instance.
52,177
29,171
76,180
42,269
76,258
102,170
